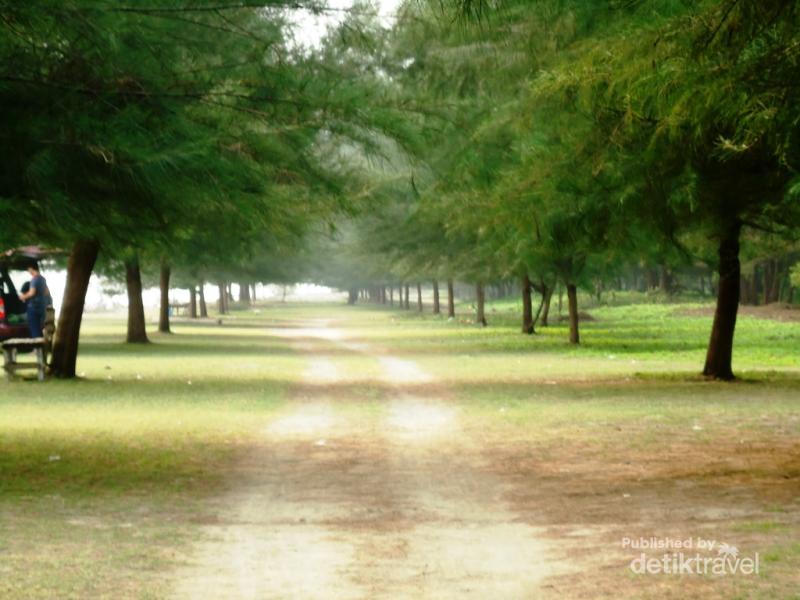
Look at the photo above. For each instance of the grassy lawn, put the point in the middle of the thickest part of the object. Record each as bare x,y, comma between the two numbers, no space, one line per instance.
622,437
105,481
102,479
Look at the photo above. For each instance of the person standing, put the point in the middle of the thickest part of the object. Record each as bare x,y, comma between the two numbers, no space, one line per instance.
35,301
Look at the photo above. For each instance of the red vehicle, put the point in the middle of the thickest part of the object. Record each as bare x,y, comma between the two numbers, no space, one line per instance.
12,310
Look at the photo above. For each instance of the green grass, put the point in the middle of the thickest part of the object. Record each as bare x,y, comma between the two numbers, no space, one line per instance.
101,478
104,480
621,341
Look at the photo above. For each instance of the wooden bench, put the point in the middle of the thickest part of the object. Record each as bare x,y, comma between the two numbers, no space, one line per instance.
11,349
40,347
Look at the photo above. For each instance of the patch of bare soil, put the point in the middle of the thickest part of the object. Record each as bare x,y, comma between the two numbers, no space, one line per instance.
592,496
777,311
392,503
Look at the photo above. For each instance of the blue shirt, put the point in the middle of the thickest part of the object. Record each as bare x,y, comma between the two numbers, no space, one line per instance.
39,301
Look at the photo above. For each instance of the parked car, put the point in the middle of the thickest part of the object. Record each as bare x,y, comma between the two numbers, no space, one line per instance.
13,323
12,310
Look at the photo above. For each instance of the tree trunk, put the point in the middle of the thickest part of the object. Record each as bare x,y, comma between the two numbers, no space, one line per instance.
538,312
79,270
664,280
137,333
777,280
527,306
546,297
652,279
719,357
768,276
202,294
408,301
221,304
391,295
480,300
163,314
436,307
572,300
244,293
451,300
419,296
744,290
193,302
352,296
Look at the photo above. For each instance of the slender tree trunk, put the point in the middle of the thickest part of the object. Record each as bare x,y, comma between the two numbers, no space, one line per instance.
652,279
391,295
419,296
664,279
547,295
527,305
719,357
772,280
202,295
451,300
244,293
137,332
538,312
193,302
79,270
572,300
408,301
436,307
480,300
221,302
744,290
253,295
560,299
163,314
777,280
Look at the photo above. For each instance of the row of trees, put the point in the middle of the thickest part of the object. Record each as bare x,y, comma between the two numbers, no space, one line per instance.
584,144
580,142
193,139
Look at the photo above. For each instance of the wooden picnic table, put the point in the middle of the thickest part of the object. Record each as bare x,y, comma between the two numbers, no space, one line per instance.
11,350
40,347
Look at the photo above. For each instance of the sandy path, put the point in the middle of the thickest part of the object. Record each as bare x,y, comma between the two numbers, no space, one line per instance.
380,505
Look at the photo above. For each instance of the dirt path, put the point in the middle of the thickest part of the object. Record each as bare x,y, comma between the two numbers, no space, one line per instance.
365,504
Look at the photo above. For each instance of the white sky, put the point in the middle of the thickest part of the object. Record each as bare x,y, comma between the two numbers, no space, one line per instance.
312,28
